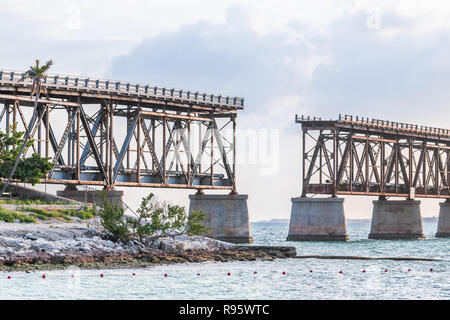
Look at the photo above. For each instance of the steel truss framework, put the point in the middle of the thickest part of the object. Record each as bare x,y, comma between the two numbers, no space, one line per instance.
361,156
97,137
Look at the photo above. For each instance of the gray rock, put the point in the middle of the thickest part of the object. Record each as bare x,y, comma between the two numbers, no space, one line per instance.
192,245
9,242
94,245
46,247
155,244
31,236
223,244
110,244
43,245
167,246
25,246
85,247
182,246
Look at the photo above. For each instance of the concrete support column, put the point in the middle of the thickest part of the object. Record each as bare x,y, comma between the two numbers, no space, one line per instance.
443,229
396,219
226,215
92,196
320,219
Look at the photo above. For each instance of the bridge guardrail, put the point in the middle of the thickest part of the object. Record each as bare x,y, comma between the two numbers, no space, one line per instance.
370,122
123,88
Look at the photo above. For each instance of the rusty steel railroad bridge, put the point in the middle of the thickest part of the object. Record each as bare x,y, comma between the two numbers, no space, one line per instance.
110,133
370,157
118,134
362,156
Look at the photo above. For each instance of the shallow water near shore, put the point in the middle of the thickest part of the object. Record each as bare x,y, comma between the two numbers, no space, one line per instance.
269,282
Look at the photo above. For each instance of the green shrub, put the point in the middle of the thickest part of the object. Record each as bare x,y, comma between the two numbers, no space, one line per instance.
46,214
196,224
84,213
29,170
113,221
6,215
40,216
61,214
11,216
153,218
39,211
29,201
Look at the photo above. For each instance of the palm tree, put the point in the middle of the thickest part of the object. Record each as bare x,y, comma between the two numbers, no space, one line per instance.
36,73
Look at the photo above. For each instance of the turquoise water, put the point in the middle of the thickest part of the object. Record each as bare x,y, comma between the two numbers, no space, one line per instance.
324,282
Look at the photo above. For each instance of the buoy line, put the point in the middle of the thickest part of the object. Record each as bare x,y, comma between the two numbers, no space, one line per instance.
165,275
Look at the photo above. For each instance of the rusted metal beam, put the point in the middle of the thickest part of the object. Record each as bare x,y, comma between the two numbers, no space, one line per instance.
413,167
5,97
90,136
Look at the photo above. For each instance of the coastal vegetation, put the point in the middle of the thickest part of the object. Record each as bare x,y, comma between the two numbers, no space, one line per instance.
33,214
153,219
158,233
29,170
29,201
32,169
11,216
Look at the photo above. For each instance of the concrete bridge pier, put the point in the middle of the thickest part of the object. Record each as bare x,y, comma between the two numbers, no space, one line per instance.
91,196
443,229
226,215
396,219
317,219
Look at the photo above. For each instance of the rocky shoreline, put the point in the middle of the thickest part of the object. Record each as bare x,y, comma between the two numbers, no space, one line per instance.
57,246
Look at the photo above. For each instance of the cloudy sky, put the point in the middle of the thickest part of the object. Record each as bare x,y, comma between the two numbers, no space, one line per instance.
382,59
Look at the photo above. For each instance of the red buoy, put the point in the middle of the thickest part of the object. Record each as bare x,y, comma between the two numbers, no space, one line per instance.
409,270
340,271
431,269
385,270
72,276
255,272
364,270
134,274
310,270
229,274
284,272
198,274
9,277
165,274
101,275
43,276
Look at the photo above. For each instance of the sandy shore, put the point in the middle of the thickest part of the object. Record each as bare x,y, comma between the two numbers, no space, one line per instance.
56,245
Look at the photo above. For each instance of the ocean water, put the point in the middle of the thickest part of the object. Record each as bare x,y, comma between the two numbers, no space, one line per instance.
269,282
